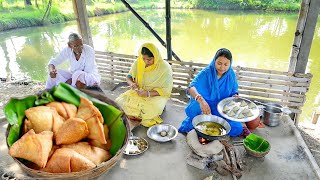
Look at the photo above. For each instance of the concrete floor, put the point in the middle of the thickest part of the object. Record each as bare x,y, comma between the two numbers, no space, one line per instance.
286,160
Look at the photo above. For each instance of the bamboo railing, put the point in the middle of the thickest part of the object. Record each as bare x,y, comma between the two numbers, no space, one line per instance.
263,85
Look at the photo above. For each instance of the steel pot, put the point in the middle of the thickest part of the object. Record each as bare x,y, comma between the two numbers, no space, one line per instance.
272,115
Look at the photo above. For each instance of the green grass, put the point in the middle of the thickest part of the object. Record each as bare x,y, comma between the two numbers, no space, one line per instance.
17,16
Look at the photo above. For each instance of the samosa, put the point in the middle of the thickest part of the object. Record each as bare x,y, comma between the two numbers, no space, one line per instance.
33,147
87,110
94,154
65,160
64,109
57,123
60,109
96,130
96,143
71,110
41,118
71,131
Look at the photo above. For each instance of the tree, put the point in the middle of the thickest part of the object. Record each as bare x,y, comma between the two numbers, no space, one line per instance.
27,3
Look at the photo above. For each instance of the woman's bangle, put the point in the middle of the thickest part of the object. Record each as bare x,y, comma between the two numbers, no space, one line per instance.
148,93
197,97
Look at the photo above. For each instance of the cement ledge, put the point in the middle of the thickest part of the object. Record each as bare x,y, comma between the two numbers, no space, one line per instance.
297,133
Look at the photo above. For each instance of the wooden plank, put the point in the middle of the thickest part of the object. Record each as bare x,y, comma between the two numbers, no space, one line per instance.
115,64
272,91
273,82
116,54
118,60
274,96
271,76
188,63
115,77
283,103
238,68
115,67
268,86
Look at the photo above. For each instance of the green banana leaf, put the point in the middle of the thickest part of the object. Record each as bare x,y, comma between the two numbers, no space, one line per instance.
14,112
256,143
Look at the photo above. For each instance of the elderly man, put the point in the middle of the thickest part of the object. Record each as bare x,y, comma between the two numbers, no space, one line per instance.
83,69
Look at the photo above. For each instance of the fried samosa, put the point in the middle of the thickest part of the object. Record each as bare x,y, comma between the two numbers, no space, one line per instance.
96,143
71,131
41,118
65,160
57,123
71,110
64,109
60,109
96,130
33,147
94,154
87,110
27,126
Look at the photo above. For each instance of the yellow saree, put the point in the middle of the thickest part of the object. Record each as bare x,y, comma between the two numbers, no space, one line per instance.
157,77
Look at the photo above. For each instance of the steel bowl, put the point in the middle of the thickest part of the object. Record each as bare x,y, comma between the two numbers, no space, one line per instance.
210,118
162,132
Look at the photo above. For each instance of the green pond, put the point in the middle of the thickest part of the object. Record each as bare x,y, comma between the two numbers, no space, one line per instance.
256,39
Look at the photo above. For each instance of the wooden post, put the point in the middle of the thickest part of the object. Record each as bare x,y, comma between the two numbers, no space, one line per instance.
315,116
168,30
80,10
306,24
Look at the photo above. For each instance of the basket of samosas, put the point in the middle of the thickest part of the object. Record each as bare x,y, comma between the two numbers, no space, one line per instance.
65,133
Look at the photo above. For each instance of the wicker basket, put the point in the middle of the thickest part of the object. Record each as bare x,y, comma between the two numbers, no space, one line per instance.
257,154
87,174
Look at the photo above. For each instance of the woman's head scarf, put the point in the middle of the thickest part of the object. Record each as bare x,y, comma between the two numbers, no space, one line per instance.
212,88
159,73
141,64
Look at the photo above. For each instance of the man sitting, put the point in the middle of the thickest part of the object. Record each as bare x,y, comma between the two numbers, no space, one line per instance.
83,69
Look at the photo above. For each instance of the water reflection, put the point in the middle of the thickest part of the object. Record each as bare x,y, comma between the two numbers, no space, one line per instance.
257,40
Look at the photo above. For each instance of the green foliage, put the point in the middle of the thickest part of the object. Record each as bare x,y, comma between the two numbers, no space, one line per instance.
62,11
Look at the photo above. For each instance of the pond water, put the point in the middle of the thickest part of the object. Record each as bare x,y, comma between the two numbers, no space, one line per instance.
256,39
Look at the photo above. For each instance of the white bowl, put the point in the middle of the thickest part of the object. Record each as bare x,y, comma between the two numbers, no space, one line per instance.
156,132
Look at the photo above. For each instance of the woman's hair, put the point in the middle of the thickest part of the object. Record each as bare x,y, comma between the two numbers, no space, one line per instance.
225,53
146,51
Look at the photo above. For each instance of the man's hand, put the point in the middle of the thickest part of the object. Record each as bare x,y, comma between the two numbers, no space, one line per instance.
52,71
142,93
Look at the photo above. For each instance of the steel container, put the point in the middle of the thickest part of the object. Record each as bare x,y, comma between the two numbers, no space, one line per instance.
272,115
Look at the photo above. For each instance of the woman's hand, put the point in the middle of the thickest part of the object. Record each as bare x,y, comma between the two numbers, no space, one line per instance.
134,86
205,108
142,93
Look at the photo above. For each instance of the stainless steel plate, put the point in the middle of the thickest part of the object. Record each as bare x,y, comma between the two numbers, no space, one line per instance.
236,101
136,146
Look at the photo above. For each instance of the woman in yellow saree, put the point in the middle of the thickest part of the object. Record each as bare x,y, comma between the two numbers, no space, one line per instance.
150,79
